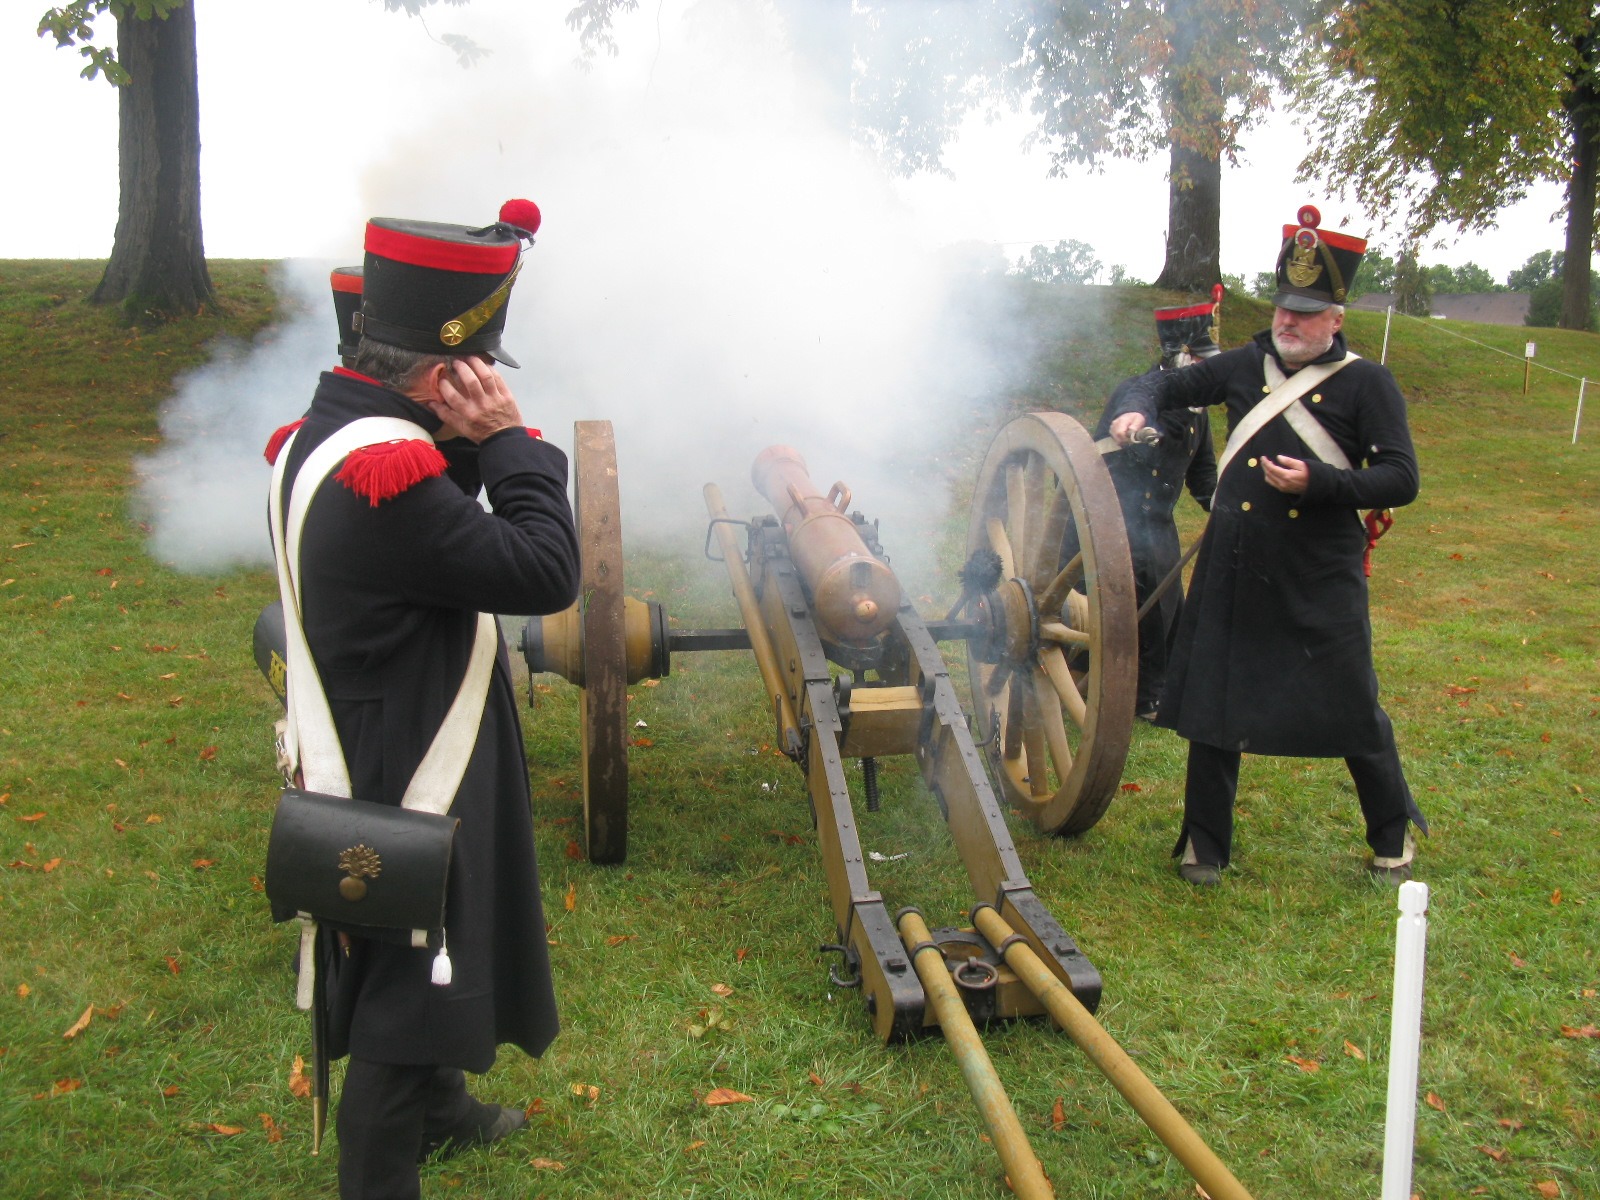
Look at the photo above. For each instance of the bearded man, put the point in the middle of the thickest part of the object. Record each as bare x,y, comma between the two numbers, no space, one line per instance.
1274,649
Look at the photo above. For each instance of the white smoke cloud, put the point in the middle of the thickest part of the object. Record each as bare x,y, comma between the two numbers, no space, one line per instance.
718,270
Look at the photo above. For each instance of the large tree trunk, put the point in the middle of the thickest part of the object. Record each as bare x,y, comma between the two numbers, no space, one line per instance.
1583,113
158,261
1194,223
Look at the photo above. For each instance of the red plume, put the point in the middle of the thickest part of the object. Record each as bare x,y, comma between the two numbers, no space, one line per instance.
524,214
1216,293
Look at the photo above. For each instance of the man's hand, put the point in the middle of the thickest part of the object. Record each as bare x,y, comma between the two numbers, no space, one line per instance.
1125,426
1289,475
475,400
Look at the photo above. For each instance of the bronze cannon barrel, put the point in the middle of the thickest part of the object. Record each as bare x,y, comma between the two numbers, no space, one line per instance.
854,595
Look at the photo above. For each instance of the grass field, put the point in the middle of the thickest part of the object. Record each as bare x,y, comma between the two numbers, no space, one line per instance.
147,1036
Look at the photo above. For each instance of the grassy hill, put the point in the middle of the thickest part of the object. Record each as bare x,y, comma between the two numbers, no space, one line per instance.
147,1036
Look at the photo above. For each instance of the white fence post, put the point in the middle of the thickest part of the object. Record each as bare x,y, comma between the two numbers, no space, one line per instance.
1405,1040
1578,420
1383,355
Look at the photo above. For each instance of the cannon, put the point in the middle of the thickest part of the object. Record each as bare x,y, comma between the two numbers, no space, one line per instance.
1047,616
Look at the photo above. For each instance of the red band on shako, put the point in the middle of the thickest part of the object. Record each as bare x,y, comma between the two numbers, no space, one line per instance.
439,255
382,471
1339,241
1190,310
345,281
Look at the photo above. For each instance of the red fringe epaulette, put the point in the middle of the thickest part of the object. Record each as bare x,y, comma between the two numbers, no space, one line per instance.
382,471
279,437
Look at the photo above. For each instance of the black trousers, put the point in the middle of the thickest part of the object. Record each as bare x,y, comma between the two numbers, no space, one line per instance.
385,1114
1213,781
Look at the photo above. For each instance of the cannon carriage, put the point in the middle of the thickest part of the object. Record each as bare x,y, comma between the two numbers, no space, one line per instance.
1048,621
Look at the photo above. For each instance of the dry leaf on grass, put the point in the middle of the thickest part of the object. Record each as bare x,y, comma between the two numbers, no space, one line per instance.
1432,1100
81,1023
586,1091
1492,1152
225,1130
1582,1031
1309,1065
693,1146
299,1082
546,1164
1354,1051
274,1134
1058,1115
571,898
720,1096
722,989
1548,1187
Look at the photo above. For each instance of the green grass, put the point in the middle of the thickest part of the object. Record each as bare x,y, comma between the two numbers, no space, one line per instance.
134,726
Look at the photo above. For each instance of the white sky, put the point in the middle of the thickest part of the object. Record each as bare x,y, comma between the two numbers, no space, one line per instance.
333,110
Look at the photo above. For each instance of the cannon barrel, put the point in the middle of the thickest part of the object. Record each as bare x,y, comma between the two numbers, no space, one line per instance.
854,594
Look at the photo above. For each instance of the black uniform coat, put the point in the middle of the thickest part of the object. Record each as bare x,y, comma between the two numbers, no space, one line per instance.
1274,649
390,597
1149,480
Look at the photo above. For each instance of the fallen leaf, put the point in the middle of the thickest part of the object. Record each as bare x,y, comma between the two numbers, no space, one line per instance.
50,866
617,939
225,1130
587,1091
570,900
23,991
208,753
1131,787
1354,1052
1432,1100
299,1082
1585,1031
719,1096
81,1023
1510,1123
62,1086
1555,897
740,953
200,864
1452,690
1515,960
170,1091
274,1134
693,1146
32,817
1309,1065
172,965
536,1109
574,850
1548,1187
1497,1155
722,990
1058,1115
546,1164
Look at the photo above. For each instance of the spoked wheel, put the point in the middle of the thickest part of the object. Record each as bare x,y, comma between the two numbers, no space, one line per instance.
1053,685
603,704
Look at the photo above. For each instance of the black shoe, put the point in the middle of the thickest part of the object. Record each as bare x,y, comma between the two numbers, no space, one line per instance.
506,1122
1394,871
1201,874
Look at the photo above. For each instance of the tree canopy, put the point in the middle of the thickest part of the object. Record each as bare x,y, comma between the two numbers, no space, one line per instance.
1440,113
1125,80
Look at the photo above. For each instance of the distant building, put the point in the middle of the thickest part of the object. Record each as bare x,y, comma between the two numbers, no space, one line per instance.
1488,308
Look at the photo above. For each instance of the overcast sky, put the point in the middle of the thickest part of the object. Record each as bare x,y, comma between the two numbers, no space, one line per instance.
319,113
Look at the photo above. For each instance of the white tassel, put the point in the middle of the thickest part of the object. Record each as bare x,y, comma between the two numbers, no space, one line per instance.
443,972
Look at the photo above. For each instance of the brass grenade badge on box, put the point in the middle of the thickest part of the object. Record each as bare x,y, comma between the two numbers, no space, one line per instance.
359,863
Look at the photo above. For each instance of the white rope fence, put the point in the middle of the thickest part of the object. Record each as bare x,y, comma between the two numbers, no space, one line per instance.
1526,360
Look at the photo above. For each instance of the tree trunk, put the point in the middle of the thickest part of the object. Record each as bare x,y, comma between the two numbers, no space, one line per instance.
1583,113
1194,223
158,261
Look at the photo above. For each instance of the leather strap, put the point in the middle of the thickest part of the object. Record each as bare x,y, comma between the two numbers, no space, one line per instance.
1285,391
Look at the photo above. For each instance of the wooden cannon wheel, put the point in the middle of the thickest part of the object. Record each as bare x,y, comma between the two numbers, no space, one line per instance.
1053,690
603,702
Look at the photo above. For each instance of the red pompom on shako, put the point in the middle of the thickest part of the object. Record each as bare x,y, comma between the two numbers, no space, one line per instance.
522,215
443,289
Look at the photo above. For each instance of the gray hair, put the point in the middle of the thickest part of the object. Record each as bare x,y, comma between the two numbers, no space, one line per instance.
395,366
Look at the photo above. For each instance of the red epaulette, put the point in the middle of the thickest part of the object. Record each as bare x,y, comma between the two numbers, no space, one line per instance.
279,437
384,470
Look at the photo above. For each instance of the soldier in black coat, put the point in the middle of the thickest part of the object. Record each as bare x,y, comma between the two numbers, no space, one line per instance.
1274,649
1150,477
398,558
